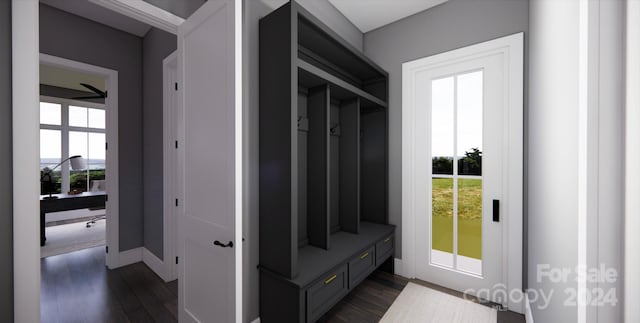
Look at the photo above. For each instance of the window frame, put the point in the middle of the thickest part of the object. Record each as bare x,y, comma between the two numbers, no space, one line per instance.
65,129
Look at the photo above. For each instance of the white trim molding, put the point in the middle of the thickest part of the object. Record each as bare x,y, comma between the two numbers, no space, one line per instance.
170,158
128,257
632,172
26,191
144,12
528,315
512,47
400,268
158,266
239,157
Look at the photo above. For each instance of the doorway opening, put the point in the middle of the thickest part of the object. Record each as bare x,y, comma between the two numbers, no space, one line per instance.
77,124
224,18
71,126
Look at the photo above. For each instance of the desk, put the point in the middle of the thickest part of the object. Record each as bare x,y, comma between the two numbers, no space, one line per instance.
66,202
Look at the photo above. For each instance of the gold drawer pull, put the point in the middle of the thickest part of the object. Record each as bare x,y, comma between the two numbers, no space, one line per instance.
330,279
364,255
387,239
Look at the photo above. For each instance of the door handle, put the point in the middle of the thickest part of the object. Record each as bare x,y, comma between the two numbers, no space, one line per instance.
220,244
496,210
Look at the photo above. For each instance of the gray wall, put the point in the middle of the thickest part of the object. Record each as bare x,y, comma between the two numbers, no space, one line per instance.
452,25
156,46
72,37
181,8
6,156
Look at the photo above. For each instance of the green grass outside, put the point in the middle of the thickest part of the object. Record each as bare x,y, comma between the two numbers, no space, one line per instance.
469,216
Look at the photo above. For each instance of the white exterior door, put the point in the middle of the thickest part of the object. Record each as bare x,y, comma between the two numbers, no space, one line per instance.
209,246
462,139
466,149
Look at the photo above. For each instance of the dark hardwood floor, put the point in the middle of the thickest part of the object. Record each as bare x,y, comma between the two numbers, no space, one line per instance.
368,301
77,287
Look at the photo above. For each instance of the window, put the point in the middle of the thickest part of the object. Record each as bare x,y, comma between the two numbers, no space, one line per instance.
69,128
457,171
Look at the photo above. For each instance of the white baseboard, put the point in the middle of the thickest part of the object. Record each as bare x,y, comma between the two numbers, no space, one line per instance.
157,265
528,315
141,254
399,268
129,257
256,320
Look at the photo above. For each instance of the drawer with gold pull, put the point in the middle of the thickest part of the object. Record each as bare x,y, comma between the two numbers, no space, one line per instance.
384,249
325,292
361,266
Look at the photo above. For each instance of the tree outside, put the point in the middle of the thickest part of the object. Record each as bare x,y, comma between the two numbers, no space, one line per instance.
469,205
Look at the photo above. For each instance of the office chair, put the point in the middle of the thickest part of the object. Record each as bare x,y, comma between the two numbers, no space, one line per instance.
97,186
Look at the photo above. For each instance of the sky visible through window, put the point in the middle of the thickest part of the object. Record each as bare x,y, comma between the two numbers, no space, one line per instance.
90,145
469,104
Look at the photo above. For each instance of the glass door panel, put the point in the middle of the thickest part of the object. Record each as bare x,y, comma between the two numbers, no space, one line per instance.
456,171
442,222
442,148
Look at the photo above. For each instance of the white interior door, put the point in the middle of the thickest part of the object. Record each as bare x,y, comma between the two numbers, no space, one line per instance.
465,165
209,247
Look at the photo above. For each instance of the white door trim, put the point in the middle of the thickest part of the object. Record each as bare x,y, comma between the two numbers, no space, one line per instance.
512,48
26,210
111,104
632,173
239,160
144,12
169,152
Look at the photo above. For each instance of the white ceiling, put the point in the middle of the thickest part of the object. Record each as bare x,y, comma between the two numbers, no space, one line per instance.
368,15
69,79
54,76
86,9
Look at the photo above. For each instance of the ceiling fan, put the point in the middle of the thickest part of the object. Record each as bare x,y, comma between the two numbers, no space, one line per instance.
99,94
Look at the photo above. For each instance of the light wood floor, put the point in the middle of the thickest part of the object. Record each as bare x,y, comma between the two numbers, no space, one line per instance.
77,287
370,300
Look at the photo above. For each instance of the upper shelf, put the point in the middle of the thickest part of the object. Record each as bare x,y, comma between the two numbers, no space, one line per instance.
323,48
312,76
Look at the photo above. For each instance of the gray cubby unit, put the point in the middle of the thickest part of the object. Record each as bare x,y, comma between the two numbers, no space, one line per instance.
323,167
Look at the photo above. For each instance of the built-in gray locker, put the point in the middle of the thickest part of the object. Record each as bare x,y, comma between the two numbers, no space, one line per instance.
323,166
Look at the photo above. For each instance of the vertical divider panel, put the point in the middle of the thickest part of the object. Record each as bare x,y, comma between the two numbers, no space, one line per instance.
373,165
350,166
318,106
334,165
303,157
278,145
